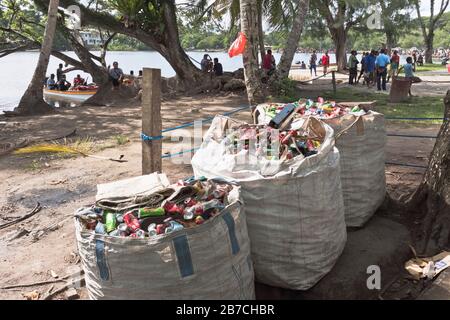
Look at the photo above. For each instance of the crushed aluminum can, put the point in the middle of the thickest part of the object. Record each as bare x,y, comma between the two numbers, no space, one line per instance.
124,230
189,213
140,233
152,230
115,233
199,220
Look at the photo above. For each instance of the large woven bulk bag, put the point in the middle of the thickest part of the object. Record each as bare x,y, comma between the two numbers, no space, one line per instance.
361,140
209,261
294,208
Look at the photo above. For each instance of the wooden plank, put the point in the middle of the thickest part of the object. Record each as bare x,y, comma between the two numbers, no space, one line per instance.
151,120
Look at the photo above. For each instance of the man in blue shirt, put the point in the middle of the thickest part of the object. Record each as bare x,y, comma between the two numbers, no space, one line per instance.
381,66
369,74
51,83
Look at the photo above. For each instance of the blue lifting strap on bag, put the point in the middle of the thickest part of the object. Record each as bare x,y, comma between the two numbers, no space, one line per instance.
101,259
183,255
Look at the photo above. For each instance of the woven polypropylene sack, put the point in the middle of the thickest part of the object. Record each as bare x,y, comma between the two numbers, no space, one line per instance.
362,150
210,261
361,141
295,216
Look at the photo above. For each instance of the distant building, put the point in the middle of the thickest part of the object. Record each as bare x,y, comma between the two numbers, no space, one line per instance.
91,38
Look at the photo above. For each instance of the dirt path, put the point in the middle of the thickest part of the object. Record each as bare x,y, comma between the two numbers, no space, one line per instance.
62,185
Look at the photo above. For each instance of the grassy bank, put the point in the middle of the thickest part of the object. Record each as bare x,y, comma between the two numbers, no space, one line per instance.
431,67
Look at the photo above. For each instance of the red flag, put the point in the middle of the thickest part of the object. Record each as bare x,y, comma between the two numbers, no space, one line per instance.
238,45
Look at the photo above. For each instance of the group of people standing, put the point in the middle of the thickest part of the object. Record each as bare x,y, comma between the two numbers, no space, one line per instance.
374,68
324,62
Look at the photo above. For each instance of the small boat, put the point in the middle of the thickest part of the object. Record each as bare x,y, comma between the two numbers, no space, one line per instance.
73,95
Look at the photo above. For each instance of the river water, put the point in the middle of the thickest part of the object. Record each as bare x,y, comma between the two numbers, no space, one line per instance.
17,69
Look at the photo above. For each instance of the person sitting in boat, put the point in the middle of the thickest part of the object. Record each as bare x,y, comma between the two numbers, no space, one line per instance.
51,83
129,79
79,81
116,74
63,84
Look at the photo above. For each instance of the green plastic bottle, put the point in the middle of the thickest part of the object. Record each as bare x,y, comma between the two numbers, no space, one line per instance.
151,212
110,222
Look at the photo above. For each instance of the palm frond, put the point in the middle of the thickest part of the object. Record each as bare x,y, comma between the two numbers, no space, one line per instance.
48,148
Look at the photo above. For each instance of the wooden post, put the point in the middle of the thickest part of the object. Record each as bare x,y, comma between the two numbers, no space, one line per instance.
333,75
151,120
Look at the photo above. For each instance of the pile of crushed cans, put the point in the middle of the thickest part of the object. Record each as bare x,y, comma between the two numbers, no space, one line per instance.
189,203
321,109
291,142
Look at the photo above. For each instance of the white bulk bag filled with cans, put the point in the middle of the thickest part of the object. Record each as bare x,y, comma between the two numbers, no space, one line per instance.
209,261
295,213
361,140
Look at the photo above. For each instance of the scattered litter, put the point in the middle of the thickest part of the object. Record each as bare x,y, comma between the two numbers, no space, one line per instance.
33,295
72,294
56,182
428,267
53,274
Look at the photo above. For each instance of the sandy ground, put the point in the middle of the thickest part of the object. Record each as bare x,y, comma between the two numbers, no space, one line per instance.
62,185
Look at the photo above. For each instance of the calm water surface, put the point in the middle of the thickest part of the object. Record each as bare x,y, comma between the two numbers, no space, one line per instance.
17,69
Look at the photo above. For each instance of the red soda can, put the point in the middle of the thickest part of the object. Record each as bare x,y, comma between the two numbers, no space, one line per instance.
189,202
131,221
160,228
173,208
198,209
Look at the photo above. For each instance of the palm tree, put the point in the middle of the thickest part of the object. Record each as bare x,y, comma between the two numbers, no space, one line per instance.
32,102
249,26
284,66
288,15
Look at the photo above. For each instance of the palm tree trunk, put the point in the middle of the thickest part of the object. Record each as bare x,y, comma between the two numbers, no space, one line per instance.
249,26
32,102
292,41
262,47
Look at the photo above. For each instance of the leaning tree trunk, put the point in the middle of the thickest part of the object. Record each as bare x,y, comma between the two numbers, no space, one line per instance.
32,102
249,26
432,199
429,48
284,67
167,43
339,36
